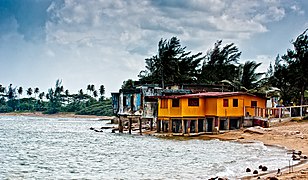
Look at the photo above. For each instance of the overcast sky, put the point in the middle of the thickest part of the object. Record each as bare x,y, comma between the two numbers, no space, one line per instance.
106,41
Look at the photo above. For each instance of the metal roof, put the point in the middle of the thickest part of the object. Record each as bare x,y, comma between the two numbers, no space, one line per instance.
214,94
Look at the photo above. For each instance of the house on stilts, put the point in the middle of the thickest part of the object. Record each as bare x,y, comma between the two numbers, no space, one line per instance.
140,105
187,112
208,112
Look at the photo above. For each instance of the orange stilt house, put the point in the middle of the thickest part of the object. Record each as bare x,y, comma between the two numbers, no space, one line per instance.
205,112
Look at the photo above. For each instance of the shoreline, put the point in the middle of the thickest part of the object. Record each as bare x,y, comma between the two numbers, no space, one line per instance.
57,115
287,135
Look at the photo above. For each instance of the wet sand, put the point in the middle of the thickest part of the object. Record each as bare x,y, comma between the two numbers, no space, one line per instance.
289,135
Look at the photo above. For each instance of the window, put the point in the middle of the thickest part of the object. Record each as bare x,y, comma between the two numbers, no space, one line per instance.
226,102
254,104
175,103
235,102
164,103
193,102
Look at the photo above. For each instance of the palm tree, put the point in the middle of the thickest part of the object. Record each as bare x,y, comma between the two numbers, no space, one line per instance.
80,94
1,89
67,92
92,88
41,95
58,90
102,91
67,95
167,65
297,64
11,92
221,63
95,94
61,89
20,91
247,79
36,91
88,88
29,91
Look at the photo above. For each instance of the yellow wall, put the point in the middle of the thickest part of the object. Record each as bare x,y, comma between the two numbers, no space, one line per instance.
192,110
175,111
230,110
163,111
211,106
243,101
170,111
183,110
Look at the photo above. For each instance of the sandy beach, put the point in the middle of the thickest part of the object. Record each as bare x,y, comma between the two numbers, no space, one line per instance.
290,135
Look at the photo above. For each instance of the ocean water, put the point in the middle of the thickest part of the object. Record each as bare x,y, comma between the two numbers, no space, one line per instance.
64,148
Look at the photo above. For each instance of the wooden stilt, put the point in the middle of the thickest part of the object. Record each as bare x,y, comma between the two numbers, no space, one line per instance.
158,125
130,125
120,125
183,127
140,125
151,124
170,126
197,126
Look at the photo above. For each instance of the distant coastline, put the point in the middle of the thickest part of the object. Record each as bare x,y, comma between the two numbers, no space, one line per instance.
59,115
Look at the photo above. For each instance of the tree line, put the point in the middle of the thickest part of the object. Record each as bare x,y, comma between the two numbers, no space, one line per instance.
55,100
173,64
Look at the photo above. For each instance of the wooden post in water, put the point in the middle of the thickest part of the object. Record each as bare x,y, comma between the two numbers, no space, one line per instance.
120,125
157,126
197,126
170,126
151,124
130,125
140,125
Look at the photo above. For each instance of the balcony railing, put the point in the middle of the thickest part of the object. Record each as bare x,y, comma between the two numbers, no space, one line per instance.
277,112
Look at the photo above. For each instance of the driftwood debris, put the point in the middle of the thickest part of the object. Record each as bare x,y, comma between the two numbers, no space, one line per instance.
253,131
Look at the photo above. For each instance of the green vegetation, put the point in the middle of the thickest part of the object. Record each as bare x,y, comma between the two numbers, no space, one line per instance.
174,65
220,65
290,71
55,100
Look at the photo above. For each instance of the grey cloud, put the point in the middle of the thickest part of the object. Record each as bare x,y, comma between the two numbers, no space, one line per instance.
94,39
30,17
192,5
161,24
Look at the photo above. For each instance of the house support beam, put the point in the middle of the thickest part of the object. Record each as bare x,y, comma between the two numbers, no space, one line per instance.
140,125
120,125
170,126
151,124
130,125
183,127
197,126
